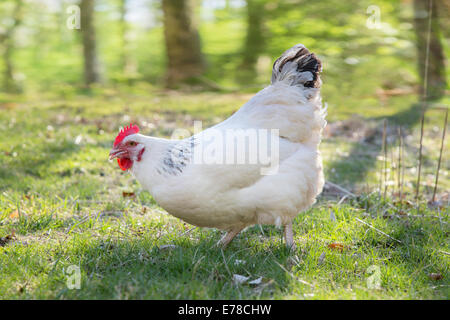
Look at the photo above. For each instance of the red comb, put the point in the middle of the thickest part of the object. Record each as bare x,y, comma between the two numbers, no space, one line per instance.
126,131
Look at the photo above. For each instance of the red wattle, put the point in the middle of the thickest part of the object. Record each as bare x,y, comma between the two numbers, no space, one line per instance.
124,163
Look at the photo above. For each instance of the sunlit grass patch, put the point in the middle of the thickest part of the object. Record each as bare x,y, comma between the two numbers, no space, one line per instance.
65,205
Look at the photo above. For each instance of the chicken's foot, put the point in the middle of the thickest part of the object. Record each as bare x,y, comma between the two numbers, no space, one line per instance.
226,239
289,236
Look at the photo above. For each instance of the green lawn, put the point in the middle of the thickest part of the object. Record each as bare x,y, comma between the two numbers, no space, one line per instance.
62,204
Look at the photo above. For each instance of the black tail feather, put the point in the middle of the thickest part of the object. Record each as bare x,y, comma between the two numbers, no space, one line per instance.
305,61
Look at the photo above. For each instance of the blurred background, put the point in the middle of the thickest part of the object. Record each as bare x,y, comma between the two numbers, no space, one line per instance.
72,73
75,71
369,48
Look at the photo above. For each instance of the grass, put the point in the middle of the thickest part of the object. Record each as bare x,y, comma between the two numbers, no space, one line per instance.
63,204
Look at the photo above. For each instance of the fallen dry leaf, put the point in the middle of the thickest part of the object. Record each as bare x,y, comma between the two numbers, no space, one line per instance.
435,276
128,194
238,279
336,246
14,214
8,105
6,239
409,203
256,281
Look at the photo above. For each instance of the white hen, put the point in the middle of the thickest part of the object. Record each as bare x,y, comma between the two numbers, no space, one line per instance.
201,180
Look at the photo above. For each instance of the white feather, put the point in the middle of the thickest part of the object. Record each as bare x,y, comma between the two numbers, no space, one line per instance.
226,196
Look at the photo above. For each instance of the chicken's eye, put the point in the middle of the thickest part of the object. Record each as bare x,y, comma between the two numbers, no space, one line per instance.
132,143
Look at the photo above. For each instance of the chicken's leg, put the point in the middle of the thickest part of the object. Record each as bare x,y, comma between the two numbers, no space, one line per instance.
289,236
226,239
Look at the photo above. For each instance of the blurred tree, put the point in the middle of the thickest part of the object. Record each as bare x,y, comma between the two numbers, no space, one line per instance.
185,58
254,40
444,17
433,58
128,66
7,43
91,63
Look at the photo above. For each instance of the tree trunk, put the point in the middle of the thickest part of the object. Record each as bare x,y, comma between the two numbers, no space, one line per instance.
91,64
435,78
185,59
443,8
7,41
254,40
128,67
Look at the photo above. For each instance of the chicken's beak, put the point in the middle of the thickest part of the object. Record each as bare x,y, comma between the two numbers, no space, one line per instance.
116,152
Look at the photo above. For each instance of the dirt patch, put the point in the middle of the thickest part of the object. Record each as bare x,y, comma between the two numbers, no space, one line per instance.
355,129
358,129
